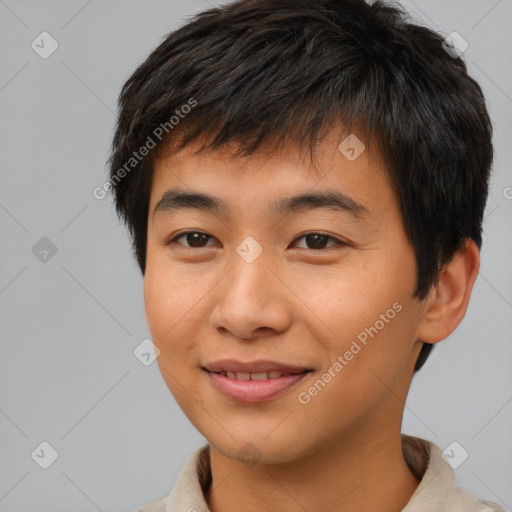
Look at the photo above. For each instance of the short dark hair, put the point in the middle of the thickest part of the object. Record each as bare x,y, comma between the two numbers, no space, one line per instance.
285,71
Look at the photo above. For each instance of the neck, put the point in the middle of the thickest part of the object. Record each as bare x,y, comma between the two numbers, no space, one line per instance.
366,471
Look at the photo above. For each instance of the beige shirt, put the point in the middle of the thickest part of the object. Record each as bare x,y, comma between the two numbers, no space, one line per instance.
437,491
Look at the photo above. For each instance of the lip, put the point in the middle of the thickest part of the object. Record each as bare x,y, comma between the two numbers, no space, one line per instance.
253,391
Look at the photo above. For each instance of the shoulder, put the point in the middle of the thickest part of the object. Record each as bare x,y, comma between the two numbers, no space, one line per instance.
193,480
438,489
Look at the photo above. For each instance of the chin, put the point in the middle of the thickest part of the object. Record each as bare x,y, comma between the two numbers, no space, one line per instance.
258,447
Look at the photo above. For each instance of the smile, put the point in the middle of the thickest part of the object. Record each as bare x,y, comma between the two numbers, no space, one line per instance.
253,382
253,376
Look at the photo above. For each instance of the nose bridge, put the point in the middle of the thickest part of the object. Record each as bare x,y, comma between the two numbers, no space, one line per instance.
250,278
250,297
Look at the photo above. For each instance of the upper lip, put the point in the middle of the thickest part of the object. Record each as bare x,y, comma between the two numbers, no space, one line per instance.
232,365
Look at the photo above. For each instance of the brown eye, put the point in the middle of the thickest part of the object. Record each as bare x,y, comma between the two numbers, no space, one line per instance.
199,240
316,241
193,239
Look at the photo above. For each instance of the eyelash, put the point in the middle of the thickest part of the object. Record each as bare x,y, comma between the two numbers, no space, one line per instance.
328,237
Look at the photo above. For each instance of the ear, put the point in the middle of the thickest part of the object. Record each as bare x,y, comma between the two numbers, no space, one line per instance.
447,302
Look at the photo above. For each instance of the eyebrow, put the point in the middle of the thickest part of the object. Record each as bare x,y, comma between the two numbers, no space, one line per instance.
176,199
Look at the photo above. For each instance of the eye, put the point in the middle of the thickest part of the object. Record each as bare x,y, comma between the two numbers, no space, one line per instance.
317,241
194,239
198,240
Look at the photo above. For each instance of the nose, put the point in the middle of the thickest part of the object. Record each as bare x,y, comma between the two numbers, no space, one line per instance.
252,301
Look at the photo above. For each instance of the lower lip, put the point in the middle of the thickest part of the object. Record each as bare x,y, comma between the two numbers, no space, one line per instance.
254,390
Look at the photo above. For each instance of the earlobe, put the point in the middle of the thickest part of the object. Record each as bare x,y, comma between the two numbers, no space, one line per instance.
447,302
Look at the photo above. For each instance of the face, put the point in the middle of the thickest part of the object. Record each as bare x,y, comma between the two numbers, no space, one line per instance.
286,323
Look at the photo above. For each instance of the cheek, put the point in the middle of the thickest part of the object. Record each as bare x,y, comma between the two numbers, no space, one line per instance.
374,357
343,302
158,298
170,295
169,302
366,321
176,308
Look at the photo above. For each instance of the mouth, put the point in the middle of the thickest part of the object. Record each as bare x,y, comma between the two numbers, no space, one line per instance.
255,375
253,382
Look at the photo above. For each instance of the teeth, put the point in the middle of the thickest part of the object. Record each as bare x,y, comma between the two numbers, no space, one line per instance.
259,376
253,376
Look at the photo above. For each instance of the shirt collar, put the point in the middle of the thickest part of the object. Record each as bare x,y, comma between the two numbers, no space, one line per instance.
437,489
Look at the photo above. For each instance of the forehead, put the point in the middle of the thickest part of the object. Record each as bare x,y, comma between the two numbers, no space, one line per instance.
341,166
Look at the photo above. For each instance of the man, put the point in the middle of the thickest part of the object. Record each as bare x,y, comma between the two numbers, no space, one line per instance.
304,182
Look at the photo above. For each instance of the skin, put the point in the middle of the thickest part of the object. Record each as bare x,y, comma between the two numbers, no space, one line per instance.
301,306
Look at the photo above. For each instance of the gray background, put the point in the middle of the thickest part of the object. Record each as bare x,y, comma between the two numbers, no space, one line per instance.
69,325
